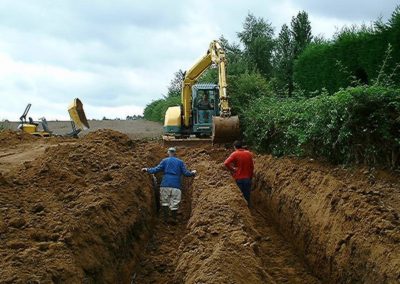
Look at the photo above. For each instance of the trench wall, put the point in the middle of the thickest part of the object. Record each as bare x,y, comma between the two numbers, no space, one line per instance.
342,226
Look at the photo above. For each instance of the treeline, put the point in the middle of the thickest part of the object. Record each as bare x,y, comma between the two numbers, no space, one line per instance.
300,94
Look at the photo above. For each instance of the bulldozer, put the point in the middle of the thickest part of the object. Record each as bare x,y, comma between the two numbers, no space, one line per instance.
205,113
40,128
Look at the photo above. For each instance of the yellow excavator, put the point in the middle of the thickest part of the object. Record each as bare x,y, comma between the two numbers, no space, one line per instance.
41,128
205,113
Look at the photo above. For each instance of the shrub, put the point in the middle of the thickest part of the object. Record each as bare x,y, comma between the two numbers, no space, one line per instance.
360,124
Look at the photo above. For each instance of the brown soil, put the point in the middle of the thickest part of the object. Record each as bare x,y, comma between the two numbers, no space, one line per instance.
11,139
345,224
80,211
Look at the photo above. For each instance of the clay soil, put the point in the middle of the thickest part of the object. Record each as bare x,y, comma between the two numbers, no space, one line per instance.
81,211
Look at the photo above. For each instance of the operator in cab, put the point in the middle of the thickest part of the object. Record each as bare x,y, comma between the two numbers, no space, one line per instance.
240,164
205,103
170,189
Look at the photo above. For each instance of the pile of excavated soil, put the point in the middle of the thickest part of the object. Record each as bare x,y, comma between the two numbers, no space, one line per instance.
345,223
11,138
79,213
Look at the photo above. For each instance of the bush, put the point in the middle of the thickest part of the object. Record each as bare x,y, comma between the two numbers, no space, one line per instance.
360,124
155,111
245,88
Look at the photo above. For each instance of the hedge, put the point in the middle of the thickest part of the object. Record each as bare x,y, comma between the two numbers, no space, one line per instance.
360,124
354,53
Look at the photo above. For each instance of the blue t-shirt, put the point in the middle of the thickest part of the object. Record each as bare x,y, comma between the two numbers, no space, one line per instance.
173,168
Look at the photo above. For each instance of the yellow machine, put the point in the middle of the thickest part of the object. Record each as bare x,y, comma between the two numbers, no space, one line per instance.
205,110
78,121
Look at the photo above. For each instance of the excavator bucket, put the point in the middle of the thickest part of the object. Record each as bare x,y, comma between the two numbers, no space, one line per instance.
225,129
77,114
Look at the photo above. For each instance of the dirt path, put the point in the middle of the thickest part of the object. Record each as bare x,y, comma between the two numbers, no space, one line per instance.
11,159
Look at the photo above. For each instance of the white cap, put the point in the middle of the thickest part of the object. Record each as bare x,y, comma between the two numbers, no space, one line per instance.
172,150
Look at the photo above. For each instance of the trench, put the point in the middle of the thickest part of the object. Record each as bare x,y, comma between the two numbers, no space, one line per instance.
157,264
98,223
218,239
304,227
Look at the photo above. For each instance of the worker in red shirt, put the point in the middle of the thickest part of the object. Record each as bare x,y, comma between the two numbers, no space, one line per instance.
240,164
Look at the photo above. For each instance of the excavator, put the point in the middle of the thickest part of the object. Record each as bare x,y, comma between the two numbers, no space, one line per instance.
41,128
205,113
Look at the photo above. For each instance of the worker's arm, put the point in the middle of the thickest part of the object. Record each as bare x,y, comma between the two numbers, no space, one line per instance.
229,162
185,171
159,168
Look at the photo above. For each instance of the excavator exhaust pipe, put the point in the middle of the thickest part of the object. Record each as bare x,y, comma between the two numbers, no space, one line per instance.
225,129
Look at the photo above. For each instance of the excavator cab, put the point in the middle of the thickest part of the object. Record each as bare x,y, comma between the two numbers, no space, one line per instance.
205,107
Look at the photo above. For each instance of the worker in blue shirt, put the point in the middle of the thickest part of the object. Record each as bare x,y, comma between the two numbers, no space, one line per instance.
170,188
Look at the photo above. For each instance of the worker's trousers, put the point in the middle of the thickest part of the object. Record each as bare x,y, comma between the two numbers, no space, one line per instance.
245,188
170,197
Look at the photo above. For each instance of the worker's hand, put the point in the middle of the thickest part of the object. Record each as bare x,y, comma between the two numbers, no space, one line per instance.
194,172
144,170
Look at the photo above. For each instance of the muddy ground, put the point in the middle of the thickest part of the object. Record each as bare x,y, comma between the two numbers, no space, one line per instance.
80,211
133,128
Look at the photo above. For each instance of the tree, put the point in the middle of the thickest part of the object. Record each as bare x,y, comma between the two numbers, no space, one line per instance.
283,61
257,37
175,86
301,32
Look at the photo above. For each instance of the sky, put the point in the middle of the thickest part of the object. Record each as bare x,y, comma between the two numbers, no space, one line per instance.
117,56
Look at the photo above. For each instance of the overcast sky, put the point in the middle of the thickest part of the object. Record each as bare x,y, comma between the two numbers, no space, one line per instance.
117,56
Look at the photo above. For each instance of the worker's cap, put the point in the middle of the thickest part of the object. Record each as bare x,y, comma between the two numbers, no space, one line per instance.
172,150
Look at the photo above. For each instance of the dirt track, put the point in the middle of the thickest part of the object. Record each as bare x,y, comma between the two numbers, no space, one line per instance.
80,211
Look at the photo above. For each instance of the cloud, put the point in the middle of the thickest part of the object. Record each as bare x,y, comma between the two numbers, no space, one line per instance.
117,56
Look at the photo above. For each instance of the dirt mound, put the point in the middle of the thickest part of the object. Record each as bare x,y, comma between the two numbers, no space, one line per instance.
220,246
10,138
77,214
345,224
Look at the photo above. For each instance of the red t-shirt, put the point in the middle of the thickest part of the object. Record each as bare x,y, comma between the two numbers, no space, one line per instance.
241,163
